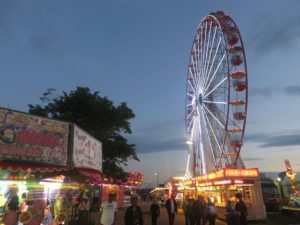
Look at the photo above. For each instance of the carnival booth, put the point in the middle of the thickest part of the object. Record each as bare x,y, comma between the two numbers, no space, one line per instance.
223,185
122,191
30,147
46,169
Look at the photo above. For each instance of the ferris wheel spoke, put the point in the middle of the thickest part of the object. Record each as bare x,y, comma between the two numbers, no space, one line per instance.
192,82
188,116
213,102
207,50
213,116
190,124
189,94
205,44
192,87
193,128
212,90
196,74
212,63
210,52
212,131
201,47
210,143
215,72
201,153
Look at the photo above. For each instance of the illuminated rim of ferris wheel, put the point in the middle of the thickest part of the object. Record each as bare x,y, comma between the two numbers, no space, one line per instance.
216,95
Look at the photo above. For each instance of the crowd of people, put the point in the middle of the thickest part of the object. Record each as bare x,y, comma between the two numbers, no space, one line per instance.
196,211
201,212
61,207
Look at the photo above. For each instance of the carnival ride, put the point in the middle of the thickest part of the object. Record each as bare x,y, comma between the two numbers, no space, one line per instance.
216,96
291,197
290,174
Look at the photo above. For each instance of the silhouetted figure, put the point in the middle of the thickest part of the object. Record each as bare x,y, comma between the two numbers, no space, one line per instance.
154,212
199,210
232,216
191,217
185,204
211,212
171,207
241,207
134,214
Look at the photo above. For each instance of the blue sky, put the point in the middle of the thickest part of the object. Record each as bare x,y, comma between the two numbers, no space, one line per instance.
137,51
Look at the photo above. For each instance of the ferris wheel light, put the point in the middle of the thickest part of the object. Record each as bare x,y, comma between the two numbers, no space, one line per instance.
189,142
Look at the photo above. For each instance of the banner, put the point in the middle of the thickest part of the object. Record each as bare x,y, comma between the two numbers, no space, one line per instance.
87,151
28,138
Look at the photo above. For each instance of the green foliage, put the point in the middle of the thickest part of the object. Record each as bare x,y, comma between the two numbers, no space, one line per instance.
99,117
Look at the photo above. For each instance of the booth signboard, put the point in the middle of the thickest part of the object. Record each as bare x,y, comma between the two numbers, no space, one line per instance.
29,138
87,151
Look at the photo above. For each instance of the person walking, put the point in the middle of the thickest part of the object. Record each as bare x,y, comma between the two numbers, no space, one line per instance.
241,208
191,219
108,211
134,214
154,212
185,204
199,210
211,212
171,207
231,214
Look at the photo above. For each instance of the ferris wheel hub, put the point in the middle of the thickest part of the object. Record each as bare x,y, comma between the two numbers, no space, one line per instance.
200,99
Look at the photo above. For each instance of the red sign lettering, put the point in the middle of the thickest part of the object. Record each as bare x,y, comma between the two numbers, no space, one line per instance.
35,138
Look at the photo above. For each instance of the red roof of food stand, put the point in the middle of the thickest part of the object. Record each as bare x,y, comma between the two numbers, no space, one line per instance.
92,174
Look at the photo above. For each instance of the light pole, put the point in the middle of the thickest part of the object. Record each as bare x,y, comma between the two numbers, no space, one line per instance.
281,189
156,174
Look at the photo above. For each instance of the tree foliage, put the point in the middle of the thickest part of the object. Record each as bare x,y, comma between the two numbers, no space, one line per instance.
100,118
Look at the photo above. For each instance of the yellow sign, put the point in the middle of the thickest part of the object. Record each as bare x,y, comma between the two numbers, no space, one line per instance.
241,172
211,176
228,172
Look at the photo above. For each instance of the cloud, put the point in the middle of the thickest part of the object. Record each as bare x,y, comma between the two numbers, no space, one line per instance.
53,43
282,139
254,137
275,31
292,90
262,91
46,35
159,138
6,9
248,159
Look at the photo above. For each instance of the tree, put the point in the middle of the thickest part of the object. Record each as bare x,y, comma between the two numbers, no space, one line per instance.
100,118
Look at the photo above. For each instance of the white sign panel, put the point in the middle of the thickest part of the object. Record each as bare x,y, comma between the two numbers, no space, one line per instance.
87,151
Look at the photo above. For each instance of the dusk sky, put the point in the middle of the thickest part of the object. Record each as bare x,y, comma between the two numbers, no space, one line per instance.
137,51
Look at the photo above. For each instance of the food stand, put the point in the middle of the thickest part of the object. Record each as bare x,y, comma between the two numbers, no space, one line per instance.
222,185
30,147
122,191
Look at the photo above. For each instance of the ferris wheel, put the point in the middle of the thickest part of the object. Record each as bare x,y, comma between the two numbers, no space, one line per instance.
216,95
